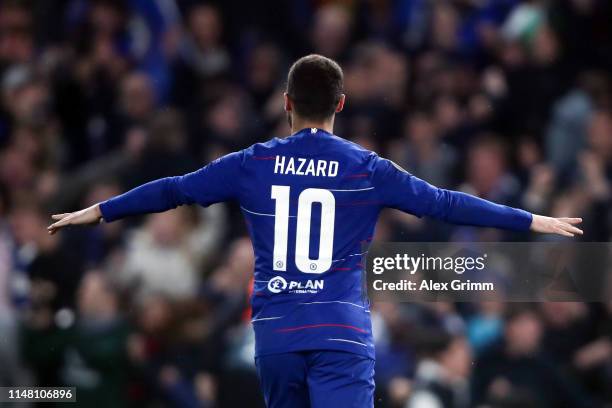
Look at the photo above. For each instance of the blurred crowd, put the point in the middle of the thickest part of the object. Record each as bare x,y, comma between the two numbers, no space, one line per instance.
509,100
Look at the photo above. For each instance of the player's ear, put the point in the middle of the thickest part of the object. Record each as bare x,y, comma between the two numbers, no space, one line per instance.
340,105
288,103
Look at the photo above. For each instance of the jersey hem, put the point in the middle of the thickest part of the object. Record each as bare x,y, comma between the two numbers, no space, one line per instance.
368,351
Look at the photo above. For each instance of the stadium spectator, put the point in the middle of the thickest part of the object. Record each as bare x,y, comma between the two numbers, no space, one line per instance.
518,369
441,378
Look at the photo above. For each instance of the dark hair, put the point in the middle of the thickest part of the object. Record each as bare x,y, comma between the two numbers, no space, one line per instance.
314,85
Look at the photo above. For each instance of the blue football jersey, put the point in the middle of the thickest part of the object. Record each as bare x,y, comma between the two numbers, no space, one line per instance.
311,207
311,202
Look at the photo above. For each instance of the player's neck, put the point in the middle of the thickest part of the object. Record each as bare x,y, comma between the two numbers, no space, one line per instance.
298,124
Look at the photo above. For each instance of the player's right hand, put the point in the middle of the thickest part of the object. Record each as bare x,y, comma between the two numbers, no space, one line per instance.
88,216
559,226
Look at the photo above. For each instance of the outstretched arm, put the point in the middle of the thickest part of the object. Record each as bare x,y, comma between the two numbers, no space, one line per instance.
460,208
155,196
399,189
211,184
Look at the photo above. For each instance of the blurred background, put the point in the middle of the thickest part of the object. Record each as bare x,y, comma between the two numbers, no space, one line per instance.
506,99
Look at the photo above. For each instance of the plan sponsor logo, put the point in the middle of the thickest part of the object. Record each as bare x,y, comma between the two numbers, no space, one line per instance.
279,284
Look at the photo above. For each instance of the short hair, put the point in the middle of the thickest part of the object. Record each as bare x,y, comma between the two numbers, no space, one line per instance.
315,85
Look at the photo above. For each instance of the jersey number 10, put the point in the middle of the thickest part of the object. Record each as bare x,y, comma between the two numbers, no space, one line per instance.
302,240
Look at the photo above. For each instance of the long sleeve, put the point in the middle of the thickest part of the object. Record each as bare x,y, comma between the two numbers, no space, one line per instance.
216,182
401,190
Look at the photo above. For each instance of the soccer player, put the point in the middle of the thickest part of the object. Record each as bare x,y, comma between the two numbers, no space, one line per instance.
311,200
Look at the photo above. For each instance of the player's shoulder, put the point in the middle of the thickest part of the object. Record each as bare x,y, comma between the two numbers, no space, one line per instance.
350,146
262,146
261,150
367,159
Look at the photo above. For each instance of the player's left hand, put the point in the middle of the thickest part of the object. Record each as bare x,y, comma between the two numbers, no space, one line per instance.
88,216
559,226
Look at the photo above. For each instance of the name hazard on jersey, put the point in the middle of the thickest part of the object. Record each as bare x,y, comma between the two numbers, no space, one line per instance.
299,166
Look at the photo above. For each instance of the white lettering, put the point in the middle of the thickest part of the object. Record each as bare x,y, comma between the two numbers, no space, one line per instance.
311,168
333,169
321,164
305,167
279,165
299,171
290,167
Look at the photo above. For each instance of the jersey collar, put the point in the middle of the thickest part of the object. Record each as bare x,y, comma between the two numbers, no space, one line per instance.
312,131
